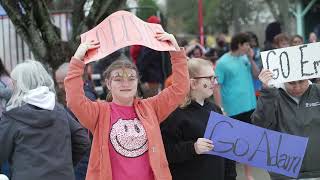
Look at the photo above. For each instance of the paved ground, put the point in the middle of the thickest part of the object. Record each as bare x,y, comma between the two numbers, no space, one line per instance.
258,174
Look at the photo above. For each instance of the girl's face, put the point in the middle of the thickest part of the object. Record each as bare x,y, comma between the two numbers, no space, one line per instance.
283,44
197,53
312,38
296,41
203,84
253,43
123,84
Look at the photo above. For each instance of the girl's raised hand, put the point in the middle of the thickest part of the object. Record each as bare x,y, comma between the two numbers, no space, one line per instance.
84,47
163,36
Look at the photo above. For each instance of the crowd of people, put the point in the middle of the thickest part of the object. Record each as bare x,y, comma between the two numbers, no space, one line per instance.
150,123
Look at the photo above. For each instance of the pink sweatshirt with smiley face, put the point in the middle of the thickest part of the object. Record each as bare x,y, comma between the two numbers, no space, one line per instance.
128,145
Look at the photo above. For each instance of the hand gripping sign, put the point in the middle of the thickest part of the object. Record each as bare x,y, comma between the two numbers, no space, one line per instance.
273,151
122,29
293,63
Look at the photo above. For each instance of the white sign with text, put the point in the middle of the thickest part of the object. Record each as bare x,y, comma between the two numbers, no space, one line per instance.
293,63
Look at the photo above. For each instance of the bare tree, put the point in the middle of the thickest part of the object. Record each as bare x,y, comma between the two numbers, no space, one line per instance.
32,21
229,12
280,11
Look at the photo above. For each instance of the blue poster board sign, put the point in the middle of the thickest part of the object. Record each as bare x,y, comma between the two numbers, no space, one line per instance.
273,151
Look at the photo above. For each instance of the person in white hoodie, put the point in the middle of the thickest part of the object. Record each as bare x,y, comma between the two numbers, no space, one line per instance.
37,135
3,177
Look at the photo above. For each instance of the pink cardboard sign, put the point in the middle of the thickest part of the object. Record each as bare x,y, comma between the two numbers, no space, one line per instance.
122,29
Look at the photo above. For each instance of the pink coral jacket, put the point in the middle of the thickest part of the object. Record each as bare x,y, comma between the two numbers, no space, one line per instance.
152,111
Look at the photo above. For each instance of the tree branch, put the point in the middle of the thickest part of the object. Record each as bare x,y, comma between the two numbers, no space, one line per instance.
77,19
99,10
32,21
50,33
272,8
103,11
94,10
25,27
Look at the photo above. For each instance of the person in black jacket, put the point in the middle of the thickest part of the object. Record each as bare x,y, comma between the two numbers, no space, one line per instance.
154,67
182,132
37,135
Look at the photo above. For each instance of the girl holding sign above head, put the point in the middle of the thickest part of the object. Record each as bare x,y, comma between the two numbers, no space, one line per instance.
182,132
127,141
294,109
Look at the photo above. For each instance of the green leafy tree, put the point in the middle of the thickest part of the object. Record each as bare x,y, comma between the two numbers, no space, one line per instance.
183,16
218,14
147,8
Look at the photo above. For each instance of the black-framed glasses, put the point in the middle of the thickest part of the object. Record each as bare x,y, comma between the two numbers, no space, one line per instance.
211,78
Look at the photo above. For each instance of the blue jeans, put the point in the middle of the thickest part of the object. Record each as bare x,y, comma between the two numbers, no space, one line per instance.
5,169
81,168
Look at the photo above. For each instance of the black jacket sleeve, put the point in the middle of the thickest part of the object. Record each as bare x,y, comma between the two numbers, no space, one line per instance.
230,171
177,150
79,139
7,135
265,114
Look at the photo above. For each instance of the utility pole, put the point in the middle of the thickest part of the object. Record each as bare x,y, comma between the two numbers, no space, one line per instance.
200,22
